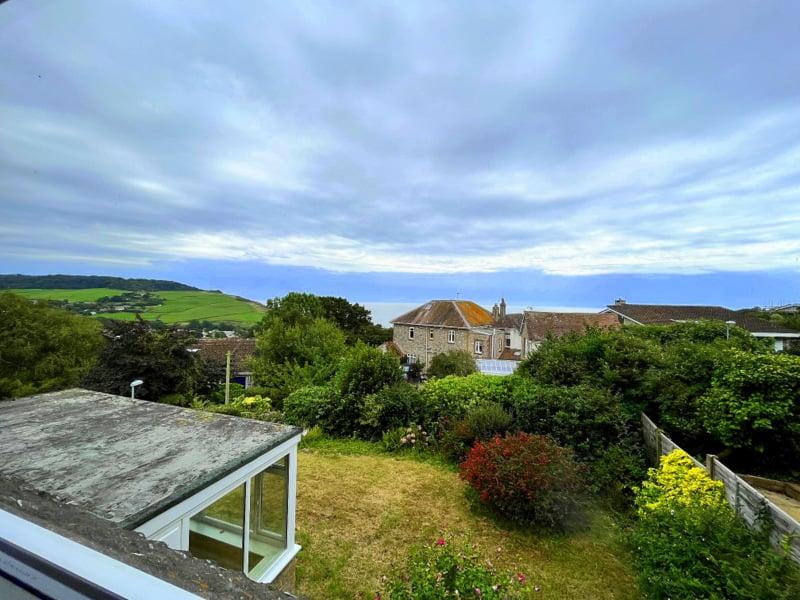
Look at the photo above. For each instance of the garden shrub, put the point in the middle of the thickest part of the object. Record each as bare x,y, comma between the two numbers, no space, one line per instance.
395,406
689,543
754,404
308,406
249,407
527,477
447,569
218,394
452,396
413,437
366,370
585,418
480,423
455,362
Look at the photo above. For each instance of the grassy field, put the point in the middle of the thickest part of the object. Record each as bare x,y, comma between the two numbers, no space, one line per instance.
359,512
178,307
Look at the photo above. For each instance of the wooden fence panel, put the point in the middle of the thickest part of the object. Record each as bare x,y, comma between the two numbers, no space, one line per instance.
746,500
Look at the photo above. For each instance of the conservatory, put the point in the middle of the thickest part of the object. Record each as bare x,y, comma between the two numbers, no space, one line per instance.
220,487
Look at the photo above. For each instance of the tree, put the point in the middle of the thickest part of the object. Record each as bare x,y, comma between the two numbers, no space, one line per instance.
161,358
366,370
43,348
295,351
455,362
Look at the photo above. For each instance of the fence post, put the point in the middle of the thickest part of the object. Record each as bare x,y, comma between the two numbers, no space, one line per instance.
710,458
658,445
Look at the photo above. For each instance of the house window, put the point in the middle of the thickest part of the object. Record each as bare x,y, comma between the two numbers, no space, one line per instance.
411,359
508,341
411,333
478,347
451,337
431,334
217,532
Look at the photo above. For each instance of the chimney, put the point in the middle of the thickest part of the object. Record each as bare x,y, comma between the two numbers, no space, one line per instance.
502,308
619,301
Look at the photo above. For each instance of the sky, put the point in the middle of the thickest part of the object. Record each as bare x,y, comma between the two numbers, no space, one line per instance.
554,153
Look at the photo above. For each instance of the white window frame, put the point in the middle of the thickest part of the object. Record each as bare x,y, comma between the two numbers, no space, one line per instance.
430,334
451,336
411,333
172,525
411,359
478,346
508,341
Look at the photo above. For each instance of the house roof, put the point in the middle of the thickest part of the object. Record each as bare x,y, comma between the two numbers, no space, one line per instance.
214,350
458,314
510,321
510,354
201,577
540,324
664,314
125,460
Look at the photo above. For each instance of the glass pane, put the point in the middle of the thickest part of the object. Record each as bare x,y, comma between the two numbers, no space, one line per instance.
217,532
269,494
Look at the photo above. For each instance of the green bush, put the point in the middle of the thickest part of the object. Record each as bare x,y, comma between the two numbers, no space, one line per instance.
528,478
175,400
447,569
754,404
236,390
413,437
308,406
586,418
248,407
455,362
689,544
480,423
451,397
395,406
365,370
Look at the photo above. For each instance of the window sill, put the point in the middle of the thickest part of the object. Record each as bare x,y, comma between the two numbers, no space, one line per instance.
279,565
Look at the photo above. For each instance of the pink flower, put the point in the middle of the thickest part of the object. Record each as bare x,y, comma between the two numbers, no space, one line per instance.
440,542
521,577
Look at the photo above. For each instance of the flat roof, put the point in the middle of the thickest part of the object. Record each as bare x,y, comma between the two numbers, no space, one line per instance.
125,460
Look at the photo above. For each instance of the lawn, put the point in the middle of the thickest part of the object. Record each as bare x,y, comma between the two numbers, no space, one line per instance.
359,512
178,307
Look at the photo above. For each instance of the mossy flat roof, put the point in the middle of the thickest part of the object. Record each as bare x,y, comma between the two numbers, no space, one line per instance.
125,460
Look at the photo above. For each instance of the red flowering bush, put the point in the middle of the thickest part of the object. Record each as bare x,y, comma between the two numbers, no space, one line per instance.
526,477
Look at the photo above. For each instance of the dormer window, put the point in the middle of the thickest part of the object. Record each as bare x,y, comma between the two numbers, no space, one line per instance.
451,337
411,333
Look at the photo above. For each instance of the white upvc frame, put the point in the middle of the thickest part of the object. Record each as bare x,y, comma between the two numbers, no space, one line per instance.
164,526
451,336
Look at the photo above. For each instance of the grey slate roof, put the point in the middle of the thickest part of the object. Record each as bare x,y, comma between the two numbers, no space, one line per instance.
201,577
664,314
124,460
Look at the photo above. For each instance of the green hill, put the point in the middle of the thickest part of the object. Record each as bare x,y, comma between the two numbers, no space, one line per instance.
82,282
166,306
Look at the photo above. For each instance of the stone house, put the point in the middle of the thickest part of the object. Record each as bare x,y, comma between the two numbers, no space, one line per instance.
440,326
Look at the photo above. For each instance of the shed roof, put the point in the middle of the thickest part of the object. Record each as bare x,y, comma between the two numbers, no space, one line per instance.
215,349
201,577
458,314
540,324
124,460
664,314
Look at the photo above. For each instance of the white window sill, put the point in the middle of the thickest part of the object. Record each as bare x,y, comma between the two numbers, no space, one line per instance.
279,565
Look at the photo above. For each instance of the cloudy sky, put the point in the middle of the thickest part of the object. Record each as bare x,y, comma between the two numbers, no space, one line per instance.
555,153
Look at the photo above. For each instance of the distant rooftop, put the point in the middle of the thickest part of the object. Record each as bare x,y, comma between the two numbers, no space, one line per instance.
458,314
541,324
215,349
124,460
664,314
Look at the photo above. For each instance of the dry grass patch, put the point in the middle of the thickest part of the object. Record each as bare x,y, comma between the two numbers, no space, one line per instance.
358,515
